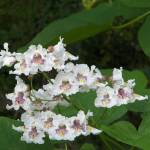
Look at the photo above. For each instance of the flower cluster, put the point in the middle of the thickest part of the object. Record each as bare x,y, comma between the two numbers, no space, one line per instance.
39,118
119,93
57,127
36,59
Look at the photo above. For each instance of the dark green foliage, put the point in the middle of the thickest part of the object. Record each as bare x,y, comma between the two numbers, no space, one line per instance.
105,35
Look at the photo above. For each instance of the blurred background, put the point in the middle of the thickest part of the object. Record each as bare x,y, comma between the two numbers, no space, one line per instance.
21,21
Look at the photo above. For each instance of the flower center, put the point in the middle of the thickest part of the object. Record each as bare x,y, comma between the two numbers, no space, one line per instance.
33,133
37,59
77,125
61,130
105,100
106,96
65,85
82,79
121,93
19,98
48,123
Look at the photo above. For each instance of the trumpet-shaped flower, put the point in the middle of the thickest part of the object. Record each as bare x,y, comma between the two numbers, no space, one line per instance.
20,97
65,83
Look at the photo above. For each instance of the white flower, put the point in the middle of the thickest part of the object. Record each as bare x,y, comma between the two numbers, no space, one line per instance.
97,78
125,93
92,130
58,127
38,59
6,46
105,97
80,126
48,64
69,67
22,66
83,74
60,55
65,83
47,118
62,130
59,48
79,123
117,75
20,97
33,135
120,93
44,93
31,129
70,128
88,78
6,58
33,60
69,56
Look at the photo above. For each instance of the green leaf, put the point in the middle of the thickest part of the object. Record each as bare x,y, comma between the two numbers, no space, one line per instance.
125,132
77,26
145,124
144,132
127,12
122,131
10,139
84,24
136,3
87,147
143,36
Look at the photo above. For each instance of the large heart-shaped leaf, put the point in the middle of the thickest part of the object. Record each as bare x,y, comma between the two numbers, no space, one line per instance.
143,35
84,24
77,26
122,131
125,132
10,139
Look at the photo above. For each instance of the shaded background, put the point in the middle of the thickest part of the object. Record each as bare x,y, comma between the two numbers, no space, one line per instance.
21,20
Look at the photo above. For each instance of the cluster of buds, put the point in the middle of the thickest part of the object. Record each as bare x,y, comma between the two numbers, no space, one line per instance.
39,119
